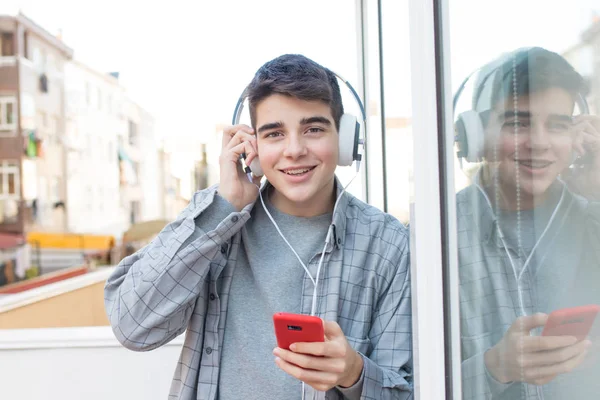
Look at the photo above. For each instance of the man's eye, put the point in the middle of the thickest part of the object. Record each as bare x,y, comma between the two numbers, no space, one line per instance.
273,134
518,124
315,130
558,127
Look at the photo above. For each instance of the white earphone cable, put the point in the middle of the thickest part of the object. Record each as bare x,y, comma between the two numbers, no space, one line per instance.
519,275
315,281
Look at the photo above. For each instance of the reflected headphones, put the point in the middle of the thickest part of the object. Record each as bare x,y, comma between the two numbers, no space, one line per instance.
350,137
469,126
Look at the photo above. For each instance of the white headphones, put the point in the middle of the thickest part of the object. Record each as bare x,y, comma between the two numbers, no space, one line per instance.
350,136
469,125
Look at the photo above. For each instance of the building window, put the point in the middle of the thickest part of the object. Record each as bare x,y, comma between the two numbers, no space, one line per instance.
9,180
8,111
133,134
7,44
88,94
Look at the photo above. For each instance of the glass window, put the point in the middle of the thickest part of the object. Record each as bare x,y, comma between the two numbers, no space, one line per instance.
8,117
527,185
9,180
10,113
7,44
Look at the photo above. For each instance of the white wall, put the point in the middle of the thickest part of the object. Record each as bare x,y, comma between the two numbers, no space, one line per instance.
86,363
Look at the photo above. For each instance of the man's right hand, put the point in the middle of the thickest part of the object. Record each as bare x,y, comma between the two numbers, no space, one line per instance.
520,357
234,185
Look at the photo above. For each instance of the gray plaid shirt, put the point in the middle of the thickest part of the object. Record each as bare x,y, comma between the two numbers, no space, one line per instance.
488,291
165,288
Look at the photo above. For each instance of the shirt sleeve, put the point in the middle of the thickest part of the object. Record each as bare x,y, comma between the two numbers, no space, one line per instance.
478,383
388,367
150,296
353,392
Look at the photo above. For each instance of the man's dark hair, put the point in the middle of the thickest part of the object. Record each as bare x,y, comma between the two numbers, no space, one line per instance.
297,76
535,69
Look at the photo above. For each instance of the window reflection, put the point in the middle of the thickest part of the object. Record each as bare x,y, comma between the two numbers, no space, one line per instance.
529,228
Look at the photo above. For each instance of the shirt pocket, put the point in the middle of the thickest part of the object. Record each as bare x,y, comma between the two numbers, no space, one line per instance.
360,345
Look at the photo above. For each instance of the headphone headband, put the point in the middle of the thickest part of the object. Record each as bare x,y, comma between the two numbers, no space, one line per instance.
494,68
240,103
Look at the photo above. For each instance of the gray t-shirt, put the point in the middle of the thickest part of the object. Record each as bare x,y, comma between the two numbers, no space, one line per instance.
267,279
522,231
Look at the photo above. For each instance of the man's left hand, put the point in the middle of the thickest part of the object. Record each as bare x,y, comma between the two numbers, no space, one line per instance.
322,365
587,138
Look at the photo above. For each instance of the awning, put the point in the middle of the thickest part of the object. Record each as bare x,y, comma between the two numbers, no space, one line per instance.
144,230
11,240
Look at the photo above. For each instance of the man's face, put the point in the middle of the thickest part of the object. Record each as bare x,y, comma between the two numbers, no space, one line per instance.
298,152
535,144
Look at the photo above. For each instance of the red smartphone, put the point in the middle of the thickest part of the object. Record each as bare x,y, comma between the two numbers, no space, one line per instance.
576,321
292,328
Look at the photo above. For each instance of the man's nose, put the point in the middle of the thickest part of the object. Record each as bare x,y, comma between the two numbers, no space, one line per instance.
295,146
539,137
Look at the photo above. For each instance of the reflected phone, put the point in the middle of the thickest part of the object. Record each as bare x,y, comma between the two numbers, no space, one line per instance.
575,321
293,328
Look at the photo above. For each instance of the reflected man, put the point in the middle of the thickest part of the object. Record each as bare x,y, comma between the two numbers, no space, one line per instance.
529,242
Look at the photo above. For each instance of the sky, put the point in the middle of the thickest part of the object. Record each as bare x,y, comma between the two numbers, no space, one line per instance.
187,61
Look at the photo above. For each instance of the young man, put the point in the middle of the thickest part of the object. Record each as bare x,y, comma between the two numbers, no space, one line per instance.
527,244
221,270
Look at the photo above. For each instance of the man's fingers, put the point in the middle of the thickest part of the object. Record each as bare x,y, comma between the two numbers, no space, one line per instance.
592,119
230,132
318,379
545,343
310,362
233,154
319,349
232,129
591,141
240,137
525,324
542,372
557,356
332,329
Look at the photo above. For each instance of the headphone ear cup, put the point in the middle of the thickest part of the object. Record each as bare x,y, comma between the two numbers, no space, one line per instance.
348,139
470,136
255,167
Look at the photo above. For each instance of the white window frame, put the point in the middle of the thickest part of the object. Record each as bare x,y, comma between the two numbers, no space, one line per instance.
4,125
5,171
436,353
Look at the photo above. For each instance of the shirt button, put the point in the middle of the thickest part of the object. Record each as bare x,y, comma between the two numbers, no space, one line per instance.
234,218
224,248
208,350
212,296
339,240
